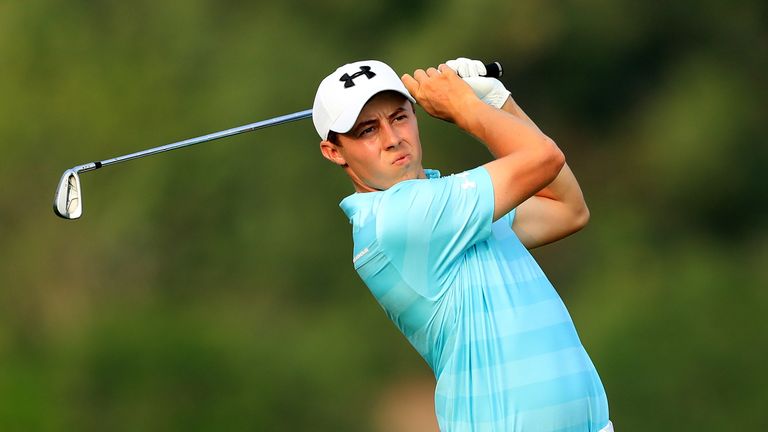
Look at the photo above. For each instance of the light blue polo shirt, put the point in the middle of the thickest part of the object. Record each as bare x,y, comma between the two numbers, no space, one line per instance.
474,303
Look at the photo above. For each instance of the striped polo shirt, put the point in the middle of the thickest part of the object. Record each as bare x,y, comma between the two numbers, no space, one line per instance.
475,304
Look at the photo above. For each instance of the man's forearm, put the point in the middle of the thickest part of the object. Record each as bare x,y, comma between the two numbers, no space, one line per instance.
513,108
501,134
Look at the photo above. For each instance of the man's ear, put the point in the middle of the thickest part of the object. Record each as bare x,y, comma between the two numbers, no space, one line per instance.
331,152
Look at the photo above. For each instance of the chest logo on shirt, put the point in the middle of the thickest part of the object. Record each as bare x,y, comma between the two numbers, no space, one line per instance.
468,184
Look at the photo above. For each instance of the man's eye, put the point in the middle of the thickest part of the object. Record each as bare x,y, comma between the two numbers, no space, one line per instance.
401,117
366,131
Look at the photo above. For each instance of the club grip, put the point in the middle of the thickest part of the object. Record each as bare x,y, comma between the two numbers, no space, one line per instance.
494,70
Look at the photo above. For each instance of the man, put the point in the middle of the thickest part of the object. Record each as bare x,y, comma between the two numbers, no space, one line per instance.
447,257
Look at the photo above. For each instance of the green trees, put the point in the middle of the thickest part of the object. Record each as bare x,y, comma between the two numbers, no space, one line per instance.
211,288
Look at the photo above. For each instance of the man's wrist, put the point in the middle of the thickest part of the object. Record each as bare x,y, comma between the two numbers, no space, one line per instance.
472,116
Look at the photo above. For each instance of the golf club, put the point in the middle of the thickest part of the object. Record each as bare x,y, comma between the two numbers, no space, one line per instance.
68,201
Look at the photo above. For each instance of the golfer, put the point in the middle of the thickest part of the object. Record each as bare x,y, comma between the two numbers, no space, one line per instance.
447,256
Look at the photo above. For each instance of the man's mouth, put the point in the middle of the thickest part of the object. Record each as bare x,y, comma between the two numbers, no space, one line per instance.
402,159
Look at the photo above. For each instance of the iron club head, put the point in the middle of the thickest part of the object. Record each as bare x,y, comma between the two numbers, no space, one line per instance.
68,202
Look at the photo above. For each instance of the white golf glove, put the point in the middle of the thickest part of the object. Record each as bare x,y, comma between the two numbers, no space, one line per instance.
489,90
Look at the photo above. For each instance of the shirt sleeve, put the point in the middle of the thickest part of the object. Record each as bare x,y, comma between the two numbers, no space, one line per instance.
425,226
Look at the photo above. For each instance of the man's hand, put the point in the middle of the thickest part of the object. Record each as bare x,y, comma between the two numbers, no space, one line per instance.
441,93
489,90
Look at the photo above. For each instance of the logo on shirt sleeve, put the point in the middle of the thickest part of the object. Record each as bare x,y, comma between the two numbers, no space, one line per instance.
359,255
468,184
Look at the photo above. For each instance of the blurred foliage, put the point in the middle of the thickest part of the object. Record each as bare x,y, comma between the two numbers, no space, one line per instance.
211,288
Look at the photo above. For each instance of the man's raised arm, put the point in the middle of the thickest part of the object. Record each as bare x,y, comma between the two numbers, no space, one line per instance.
530,160
556,210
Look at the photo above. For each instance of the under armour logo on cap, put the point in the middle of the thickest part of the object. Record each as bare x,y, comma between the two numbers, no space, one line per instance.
349,80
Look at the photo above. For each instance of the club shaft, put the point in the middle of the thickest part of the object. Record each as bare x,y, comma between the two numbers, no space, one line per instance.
201,139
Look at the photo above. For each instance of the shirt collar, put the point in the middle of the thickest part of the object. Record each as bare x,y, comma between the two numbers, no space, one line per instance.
353,203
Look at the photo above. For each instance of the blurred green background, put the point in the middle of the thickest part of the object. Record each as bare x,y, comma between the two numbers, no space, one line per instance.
212,289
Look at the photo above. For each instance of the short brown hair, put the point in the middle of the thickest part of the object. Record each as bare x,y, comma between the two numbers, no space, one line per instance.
333,137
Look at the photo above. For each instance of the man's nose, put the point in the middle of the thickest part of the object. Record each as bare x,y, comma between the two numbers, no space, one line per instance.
389,136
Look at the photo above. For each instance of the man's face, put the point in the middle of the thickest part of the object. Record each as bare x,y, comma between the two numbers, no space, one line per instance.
383,147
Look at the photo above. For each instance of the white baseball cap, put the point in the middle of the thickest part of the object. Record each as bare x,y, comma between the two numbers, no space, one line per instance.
342,94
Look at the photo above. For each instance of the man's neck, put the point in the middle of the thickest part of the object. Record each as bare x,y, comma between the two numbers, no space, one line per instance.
361,187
